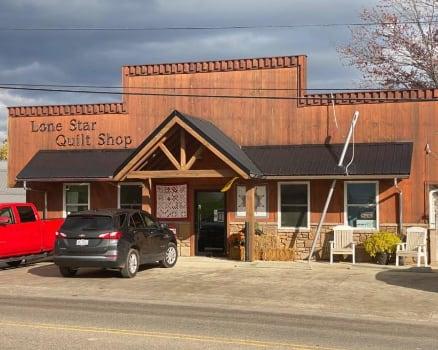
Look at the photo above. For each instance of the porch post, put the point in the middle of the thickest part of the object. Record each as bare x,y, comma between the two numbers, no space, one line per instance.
250,216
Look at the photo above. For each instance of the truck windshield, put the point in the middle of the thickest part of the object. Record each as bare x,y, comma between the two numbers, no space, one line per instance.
88,223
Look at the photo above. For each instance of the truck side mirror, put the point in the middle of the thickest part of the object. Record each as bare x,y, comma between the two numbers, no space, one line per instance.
4,220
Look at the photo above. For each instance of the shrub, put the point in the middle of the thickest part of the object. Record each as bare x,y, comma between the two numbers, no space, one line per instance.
381,242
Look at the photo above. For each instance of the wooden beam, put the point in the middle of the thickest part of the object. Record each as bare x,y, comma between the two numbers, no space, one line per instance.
250,217
194,157
182,152
162,174
146,149
169,155
213,149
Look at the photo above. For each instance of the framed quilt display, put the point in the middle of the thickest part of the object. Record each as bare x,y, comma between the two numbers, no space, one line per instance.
171,201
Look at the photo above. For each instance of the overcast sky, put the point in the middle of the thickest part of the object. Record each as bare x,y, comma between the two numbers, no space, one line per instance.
90,58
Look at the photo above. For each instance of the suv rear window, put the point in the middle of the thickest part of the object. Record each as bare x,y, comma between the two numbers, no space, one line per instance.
88,223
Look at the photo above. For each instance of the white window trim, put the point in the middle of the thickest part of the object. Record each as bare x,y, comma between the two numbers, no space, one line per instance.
279,184
242,214
127,184
432,217
64,204
376,183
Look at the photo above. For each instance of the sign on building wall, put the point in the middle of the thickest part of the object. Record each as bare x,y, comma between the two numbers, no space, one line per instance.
171,201
79,133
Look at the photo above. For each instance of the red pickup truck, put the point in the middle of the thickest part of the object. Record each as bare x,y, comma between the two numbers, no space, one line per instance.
23,235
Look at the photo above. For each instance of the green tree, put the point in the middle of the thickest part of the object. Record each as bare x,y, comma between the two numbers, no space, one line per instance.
4,150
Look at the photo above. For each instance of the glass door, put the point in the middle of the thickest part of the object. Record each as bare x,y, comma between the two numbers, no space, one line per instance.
210,223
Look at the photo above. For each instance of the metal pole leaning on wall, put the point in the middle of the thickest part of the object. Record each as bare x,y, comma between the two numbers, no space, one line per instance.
321,220
333,185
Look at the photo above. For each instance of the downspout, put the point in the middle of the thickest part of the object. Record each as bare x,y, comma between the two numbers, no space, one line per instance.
400,206
40,191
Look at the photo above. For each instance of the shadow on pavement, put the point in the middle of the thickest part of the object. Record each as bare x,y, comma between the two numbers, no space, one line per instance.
424,278
53,271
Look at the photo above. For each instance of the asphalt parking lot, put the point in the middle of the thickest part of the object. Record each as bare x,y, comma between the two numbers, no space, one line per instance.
341,289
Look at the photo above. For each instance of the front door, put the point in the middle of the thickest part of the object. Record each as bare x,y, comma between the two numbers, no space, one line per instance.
210,223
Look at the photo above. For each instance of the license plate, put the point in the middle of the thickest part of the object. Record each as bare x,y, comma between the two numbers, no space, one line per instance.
82,242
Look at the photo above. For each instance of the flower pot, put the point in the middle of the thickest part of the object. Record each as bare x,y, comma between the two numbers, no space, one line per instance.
382,258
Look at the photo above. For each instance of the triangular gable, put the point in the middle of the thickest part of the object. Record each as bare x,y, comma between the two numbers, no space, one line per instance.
204,132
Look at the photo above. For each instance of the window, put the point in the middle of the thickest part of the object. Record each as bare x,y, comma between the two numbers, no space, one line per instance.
130,195
7,212
293,204
136,221
361,204
260,204
148,220
26,214
88,223
76,198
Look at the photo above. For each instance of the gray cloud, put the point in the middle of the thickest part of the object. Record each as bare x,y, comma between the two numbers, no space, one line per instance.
96,57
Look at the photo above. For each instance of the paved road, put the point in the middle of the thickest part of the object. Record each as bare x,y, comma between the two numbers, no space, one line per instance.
50,323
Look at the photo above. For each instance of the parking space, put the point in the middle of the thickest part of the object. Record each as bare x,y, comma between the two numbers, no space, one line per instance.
366,290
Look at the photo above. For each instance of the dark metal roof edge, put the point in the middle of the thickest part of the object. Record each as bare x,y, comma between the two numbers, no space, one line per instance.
186,118
55,179
326,145
145,141
337,177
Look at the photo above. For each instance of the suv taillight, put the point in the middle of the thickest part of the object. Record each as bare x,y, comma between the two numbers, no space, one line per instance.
60,234
111,235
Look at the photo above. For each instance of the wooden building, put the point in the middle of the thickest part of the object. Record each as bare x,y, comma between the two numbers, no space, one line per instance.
183,131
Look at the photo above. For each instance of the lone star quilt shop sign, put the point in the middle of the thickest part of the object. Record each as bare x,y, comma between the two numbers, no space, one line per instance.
77,133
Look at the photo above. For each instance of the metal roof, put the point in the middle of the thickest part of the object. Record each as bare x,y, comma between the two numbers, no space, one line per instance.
210,133
370,159
73,164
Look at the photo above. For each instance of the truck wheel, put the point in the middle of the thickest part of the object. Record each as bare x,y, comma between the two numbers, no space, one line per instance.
14,263
170,257
132,263
67,271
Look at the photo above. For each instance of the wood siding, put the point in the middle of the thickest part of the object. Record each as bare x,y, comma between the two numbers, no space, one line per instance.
248,121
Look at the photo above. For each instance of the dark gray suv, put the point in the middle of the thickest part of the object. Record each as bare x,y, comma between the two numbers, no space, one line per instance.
121,239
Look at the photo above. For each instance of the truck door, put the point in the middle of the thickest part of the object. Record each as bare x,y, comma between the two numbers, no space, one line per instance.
9,244
29,230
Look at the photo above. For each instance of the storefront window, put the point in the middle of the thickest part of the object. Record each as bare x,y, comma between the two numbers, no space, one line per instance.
260,204
130,196
77,197
294,205
361,204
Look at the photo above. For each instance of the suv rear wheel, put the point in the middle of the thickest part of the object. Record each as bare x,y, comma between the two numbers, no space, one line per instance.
171,256
131,264
66,271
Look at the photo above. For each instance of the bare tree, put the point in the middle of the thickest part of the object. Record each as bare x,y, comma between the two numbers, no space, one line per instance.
400,48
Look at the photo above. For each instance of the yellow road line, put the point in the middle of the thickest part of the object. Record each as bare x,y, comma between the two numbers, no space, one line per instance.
199,338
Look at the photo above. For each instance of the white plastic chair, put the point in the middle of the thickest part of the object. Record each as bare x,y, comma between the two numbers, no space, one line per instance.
415,245
342,243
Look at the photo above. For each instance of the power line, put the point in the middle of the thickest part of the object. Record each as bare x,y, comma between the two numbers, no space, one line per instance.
193,88
212,28
313,98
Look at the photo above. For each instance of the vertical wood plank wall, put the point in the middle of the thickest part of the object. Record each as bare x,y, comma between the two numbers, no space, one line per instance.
255,122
